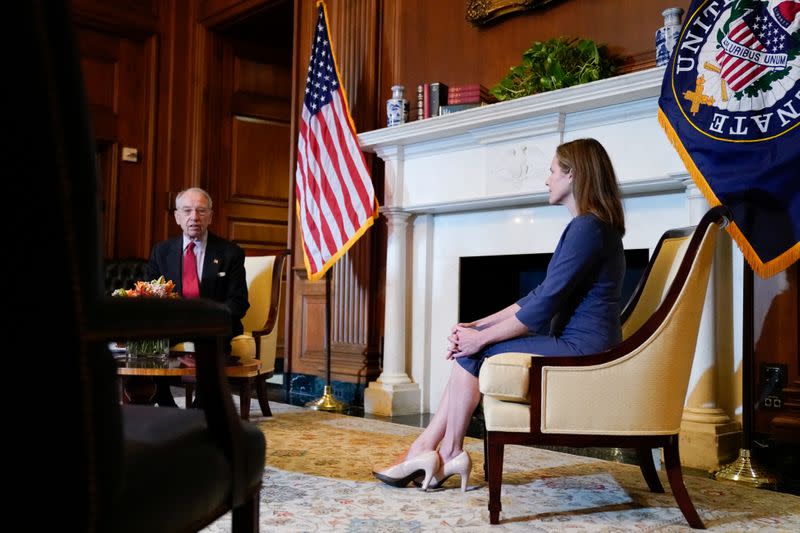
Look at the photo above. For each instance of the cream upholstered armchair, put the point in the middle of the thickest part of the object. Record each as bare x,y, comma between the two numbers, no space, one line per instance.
630,396
260,339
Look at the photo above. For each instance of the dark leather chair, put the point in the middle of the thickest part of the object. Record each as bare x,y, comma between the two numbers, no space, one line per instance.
124,273
109,467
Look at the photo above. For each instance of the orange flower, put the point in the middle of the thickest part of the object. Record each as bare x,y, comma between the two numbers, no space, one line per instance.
157,288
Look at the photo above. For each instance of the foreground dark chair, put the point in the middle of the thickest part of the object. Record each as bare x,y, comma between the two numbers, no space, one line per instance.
630,396
117,468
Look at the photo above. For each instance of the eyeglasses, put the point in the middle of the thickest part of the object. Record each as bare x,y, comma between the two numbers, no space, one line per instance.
187,211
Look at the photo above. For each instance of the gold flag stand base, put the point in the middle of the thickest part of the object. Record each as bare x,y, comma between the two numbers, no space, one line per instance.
328,402
745,470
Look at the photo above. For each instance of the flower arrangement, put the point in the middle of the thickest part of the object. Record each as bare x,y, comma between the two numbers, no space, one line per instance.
157,288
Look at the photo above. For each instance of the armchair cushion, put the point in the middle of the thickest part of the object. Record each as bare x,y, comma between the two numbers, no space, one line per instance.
506,377
501,415
244,346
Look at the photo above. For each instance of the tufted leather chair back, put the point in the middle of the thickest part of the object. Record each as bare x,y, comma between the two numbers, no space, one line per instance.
124,273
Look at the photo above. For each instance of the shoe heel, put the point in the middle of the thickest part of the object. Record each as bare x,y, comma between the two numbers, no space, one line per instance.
427,481
465,473
403,473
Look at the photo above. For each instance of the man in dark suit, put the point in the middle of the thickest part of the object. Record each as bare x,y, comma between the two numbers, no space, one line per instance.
200,263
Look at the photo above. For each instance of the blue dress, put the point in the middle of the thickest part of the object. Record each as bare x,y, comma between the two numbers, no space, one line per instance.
576,309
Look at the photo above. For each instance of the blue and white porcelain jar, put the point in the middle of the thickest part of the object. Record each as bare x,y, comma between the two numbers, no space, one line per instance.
667,35
397,107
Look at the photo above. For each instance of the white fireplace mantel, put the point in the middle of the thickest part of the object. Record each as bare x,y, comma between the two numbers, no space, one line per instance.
472,183
497,156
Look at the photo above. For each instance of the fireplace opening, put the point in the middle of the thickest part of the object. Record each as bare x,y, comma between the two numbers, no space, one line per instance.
490,283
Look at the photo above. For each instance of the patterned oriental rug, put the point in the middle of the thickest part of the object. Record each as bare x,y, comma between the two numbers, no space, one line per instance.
318,478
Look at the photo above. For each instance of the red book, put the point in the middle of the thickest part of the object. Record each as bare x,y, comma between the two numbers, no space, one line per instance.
471,99
426,97
472,87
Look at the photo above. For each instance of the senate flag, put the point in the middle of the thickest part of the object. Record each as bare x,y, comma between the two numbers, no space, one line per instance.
730,104
333,190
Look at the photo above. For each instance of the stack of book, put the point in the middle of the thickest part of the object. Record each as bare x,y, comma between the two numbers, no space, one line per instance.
461,97
435,99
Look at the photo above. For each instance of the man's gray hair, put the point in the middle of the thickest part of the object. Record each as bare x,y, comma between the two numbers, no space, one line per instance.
197,190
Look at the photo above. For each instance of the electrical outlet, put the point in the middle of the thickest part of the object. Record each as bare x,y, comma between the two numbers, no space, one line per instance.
773,380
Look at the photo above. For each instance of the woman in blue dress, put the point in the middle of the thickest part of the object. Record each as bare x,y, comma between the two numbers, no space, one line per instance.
574,311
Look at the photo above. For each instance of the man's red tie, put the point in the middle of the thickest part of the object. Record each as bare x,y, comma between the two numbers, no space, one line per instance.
191,285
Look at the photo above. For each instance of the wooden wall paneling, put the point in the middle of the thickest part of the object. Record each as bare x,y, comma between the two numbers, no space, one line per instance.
130,17
181,111
135,128
485,54
295,106
777,310
391,50
248,151
248,124
308,326
260,153
119,69
220,13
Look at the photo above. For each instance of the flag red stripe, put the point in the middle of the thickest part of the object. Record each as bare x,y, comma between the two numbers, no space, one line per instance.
310,207
322,215
346,170
331,205
358,164
339,176
310,231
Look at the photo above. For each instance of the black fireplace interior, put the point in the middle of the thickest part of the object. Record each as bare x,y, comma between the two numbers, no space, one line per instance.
490,283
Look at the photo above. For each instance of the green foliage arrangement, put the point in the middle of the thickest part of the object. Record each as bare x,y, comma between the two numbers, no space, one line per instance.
555,64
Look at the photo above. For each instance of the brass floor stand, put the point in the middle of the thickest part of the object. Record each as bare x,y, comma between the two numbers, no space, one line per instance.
327,402
744,469
747,471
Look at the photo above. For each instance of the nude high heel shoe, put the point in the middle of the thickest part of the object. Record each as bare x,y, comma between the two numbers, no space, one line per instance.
403,473
461,464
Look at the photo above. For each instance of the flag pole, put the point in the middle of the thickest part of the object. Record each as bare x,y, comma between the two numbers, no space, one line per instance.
328,401
745,469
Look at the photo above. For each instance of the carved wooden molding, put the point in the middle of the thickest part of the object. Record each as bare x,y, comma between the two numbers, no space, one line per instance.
484,11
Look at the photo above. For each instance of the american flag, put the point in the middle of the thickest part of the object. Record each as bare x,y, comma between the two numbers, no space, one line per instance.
755,32
335,198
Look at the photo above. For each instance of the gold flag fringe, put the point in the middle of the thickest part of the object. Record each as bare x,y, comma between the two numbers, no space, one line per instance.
764,270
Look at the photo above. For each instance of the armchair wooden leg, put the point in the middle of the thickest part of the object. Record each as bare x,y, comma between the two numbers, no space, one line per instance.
645,456
485,454
495,461
245,517
261,394
675,476
244,398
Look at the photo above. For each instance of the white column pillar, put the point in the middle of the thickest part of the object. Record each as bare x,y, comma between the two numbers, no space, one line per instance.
393,393
708,437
